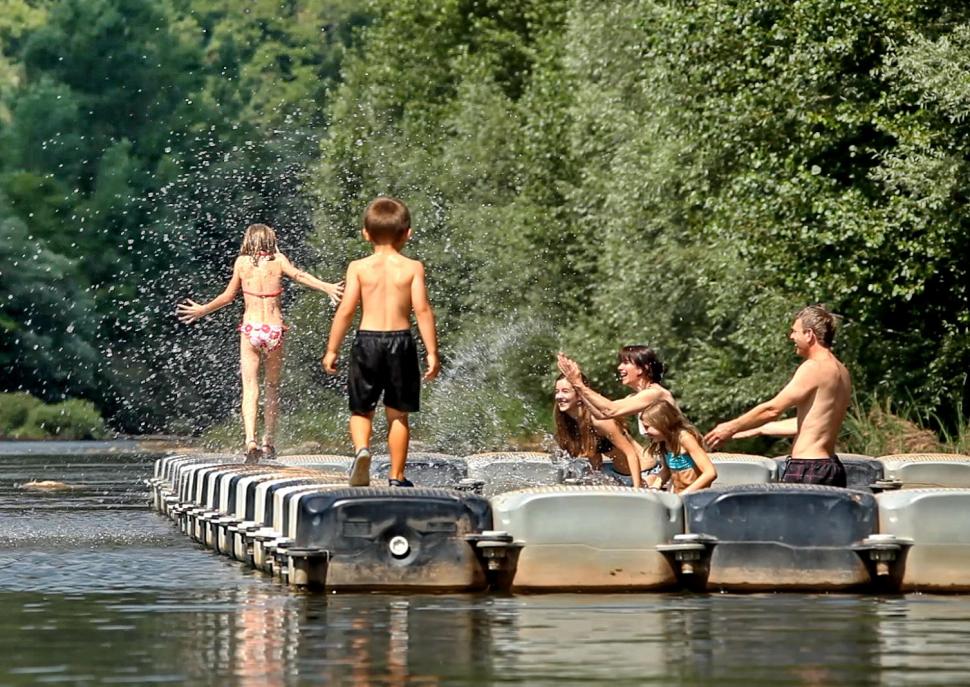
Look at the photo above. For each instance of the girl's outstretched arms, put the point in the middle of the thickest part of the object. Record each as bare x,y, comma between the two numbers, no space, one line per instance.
335,291
190,311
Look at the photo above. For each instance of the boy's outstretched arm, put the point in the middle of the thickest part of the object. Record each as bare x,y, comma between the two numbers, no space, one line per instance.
342,319
335,291
190,311
425,317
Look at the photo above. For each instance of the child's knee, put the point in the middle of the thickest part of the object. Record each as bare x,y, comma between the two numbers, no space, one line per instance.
396,415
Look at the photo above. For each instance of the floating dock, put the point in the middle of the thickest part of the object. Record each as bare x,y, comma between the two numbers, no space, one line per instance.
531,522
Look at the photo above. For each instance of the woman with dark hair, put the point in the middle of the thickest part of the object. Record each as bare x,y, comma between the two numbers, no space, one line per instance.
638,367
582,436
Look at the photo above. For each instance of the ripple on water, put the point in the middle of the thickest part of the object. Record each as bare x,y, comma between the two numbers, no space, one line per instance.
119,569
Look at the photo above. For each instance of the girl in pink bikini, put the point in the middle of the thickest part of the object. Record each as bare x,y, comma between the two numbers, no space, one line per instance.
259,272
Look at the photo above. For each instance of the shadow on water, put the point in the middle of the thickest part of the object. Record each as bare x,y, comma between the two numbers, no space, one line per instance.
97,589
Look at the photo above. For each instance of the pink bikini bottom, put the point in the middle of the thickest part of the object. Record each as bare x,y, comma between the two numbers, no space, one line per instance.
263,336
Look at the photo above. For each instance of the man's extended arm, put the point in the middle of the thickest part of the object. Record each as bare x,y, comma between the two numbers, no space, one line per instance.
778,428
798,388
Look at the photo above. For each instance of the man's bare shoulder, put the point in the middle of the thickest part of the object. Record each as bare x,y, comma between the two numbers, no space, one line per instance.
809,369
821,368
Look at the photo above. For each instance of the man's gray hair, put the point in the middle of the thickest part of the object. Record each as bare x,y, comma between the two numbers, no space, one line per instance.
820,321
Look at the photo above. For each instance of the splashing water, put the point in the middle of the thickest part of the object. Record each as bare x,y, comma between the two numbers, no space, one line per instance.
476,404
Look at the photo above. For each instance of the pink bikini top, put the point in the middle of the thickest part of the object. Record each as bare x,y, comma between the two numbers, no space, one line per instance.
263,295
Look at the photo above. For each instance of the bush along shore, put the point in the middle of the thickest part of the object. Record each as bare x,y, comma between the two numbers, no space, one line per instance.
23,416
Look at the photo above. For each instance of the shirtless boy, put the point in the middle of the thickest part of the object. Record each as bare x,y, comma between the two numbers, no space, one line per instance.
820,391
384,357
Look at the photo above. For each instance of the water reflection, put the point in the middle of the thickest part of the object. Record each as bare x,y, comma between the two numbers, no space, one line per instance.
924,640
264,640
430,640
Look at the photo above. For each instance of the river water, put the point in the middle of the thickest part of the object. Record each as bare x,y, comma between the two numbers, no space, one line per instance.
95,588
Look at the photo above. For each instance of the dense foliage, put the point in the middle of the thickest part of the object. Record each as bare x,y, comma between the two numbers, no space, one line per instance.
24,417
581,174
682,174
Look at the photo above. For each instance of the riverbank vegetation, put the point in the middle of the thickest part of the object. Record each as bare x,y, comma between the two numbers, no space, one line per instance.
24,417
581,175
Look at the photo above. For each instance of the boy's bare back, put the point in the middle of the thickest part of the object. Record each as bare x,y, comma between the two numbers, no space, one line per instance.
389,286
386,286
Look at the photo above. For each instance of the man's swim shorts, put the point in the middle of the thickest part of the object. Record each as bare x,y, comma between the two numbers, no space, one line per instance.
828,471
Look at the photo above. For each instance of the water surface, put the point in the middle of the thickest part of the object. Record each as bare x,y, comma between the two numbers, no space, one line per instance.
97,589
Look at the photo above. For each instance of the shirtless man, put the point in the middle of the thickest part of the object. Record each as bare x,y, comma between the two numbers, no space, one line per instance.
384,358
820,391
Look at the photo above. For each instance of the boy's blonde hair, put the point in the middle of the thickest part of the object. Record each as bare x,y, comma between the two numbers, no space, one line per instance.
670,422
259,239
387,220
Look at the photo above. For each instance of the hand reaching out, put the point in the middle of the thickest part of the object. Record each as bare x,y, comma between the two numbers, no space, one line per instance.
719,435
190,311
569,368
336,292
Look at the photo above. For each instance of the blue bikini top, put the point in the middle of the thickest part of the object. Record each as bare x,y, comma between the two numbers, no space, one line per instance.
679,462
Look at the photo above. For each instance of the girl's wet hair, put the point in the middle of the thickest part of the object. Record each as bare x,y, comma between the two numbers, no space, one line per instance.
259,240
576,436
645,359
667,419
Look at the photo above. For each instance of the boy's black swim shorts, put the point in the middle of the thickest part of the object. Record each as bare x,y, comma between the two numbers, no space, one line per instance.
384,362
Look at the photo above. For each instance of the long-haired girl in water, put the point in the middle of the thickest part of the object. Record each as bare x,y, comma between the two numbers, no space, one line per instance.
259,272
581,435
641,370
678,443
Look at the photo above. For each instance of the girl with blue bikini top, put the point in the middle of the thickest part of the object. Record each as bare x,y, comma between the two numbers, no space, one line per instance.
679,444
